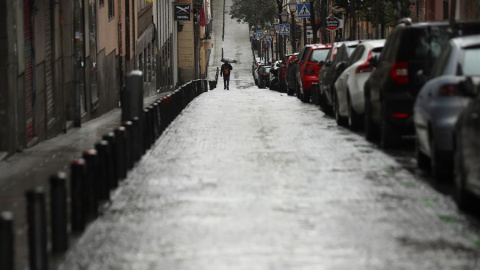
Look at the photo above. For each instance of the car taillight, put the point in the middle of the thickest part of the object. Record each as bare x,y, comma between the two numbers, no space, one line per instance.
400,115
399,72
365,67
448,90
309,69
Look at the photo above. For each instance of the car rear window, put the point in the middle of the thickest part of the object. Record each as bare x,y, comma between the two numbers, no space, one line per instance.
471,65
423,43
318,55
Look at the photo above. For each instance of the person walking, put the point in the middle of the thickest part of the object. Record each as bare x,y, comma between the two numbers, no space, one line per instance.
225,71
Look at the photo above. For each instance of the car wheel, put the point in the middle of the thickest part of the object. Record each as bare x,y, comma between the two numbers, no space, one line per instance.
371,130
341,121
327,109
297,91
354,119
305,97
441,168
462,197
389,136
423,161
290,92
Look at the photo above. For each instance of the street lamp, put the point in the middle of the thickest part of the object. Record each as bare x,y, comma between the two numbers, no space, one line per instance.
292,5
284,16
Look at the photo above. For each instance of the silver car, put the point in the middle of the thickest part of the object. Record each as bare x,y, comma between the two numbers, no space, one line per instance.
440,101
349,85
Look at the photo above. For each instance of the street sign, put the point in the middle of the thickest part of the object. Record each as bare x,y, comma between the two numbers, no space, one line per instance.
259,34
332,23
284,29
309,31
304,10
182,12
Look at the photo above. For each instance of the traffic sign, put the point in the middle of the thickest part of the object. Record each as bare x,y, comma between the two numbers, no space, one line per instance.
284,29
332,23
304,10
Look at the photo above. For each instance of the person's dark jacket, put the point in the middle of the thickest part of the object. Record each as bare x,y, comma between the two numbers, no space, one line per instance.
226,69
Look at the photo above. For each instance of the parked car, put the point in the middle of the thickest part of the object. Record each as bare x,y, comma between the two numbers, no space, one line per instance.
467,158
264,76
440,101
402,69
349,85
308,69
332,67
291,72
255,73
283,74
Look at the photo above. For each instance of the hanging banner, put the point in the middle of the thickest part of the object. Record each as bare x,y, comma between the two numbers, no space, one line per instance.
182,12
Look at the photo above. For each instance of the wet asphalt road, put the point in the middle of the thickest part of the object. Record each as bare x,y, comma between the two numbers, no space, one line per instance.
253,179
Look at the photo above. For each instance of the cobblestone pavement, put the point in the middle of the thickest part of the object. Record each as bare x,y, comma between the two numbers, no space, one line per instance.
253,179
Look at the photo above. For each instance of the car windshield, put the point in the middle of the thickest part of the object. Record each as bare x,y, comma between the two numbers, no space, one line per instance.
318,55
471,65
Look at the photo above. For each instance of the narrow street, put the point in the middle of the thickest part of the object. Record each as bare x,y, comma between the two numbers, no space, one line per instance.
254,179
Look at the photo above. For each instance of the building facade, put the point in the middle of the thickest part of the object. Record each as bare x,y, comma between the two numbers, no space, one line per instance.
66,62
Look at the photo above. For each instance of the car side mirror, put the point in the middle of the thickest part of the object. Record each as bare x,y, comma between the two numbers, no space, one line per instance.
340,66
468,87
321,63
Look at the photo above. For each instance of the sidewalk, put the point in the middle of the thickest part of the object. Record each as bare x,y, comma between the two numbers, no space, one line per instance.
33,166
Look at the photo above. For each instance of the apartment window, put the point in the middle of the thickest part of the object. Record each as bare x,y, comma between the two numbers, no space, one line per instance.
111,9
102,3
445,9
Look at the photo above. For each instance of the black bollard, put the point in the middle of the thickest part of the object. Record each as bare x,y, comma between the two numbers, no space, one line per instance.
102,185
7,253
90,193
138,148
78,172
132,95
37,229
121,156
151,126
112,165
163,115
156,124
128,125
146,129
58,212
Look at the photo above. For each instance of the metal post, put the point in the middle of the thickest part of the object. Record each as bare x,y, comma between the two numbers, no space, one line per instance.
121,156
293,34
7,253
129,145
102,185
37,229
133,96
112,164
58,212
77,186
90,195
